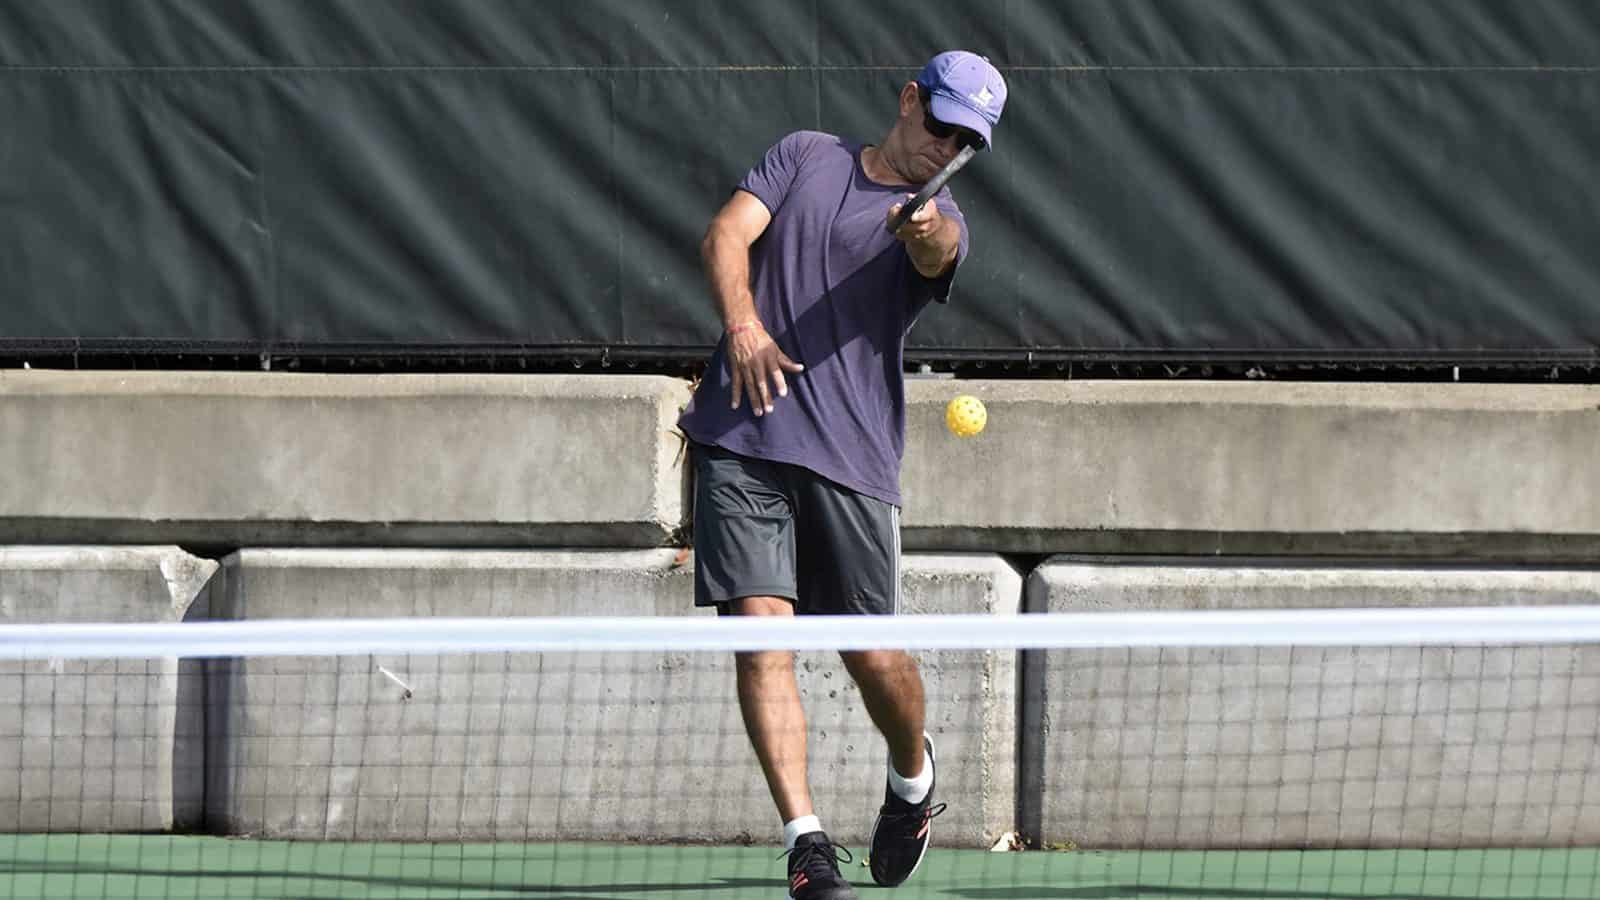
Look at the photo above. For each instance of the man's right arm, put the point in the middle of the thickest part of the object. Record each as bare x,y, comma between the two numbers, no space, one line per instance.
753,357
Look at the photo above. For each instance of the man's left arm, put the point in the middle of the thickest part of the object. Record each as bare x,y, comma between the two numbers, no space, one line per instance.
932,239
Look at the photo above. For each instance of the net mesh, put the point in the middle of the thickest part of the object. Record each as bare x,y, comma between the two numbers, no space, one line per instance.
1367,769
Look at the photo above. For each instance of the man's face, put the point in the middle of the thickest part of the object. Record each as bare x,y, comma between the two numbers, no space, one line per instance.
932,143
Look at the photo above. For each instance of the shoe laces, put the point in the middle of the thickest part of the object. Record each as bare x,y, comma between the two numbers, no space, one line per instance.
818,858
911,811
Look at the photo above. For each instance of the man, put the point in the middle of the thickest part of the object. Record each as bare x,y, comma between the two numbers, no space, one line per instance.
798,427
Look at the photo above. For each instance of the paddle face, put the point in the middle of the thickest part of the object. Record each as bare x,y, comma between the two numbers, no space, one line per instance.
931,188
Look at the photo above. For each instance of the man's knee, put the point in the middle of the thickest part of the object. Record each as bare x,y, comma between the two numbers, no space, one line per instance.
764,662
877,663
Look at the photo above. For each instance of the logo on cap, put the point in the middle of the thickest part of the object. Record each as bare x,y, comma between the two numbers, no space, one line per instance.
983,98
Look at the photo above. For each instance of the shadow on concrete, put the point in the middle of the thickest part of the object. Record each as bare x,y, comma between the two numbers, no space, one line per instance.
453,886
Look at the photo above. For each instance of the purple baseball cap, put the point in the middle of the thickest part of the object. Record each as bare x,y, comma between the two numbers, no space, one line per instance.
964,89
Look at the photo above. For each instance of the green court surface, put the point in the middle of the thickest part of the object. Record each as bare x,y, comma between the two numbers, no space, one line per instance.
143,866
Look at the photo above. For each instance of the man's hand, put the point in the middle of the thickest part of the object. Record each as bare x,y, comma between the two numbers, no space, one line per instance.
753,357
931,239
923,224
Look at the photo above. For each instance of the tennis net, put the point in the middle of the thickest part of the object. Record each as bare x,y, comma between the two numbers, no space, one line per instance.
1433,753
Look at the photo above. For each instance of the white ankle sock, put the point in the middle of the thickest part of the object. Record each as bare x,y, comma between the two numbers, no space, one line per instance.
912,790
796,827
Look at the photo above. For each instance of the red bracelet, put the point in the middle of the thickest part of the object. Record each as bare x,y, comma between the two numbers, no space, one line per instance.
744,326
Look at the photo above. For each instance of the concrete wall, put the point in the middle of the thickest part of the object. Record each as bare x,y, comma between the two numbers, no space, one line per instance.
587,745
1446,470
255,459
229,459
1253,474
1315,747
105,745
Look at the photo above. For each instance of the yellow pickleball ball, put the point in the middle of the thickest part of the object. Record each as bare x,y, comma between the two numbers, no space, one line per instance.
965,415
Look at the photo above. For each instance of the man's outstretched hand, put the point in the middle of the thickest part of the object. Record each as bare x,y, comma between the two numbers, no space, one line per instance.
930,237
923,224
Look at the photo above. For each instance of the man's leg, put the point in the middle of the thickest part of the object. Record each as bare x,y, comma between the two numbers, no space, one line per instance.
745,565
891,688
773,716
848,547
769,698
849,544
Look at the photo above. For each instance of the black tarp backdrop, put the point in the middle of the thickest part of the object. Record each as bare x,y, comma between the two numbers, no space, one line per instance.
1173,179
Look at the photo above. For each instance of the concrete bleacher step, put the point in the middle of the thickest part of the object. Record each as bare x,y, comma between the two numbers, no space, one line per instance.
1466,471
223,459
1309,746
100,745
575,746
227,459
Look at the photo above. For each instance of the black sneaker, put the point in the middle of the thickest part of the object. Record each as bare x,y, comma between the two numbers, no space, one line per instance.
814,869
900,836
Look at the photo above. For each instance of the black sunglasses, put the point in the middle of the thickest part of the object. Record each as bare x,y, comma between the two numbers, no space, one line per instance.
966,137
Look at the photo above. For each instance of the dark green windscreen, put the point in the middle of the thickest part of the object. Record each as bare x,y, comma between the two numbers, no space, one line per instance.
1272,179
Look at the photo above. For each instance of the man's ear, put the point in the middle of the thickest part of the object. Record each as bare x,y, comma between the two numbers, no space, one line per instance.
909,99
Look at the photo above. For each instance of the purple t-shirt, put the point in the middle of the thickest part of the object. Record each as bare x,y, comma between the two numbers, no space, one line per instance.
838,293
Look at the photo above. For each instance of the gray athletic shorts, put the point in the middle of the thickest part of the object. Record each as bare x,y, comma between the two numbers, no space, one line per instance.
768,529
